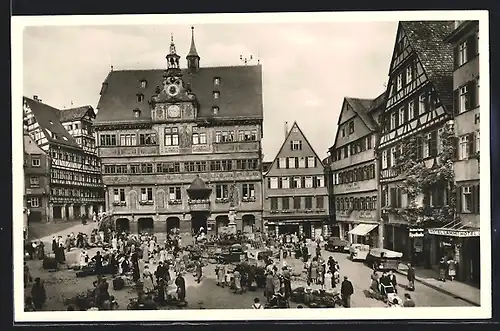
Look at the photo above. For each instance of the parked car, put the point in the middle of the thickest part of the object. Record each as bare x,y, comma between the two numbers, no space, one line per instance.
383,259
335,244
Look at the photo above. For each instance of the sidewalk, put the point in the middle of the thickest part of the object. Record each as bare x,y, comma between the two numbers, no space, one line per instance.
455,289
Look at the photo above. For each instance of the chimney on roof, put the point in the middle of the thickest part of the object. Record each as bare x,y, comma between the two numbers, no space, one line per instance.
35,97
286,129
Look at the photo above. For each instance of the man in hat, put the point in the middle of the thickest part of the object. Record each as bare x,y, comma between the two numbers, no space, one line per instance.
346,290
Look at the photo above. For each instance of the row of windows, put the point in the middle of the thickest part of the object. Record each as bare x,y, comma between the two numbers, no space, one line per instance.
72,157
355,175
405,77
297,203
295,182
353,148
83,193
394,197
174,193
198,137
349,127
144,83
296,162
177,167
352,203
74,176
430,145
409,111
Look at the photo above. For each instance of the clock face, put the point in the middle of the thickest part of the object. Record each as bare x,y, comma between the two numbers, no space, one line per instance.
172,90
174,111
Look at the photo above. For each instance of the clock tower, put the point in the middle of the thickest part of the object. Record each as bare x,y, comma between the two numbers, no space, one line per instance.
174,100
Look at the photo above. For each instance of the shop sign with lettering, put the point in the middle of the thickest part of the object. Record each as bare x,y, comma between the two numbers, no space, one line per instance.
454,233
416,233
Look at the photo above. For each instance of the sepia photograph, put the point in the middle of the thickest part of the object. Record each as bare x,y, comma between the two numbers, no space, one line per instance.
244,166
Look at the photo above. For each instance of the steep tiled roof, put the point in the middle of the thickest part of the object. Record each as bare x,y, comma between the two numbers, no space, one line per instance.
75,114
378,102
240,92
436,56
360,107
48,119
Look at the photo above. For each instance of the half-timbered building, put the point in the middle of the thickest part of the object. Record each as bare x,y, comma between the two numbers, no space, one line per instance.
181,147
78,122
295,194
463,235
354,171
75,184
419,103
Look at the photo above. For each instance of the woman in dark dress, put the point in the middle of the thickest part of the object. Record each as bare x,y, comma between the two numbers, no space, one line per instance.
136,275
181,287
161,292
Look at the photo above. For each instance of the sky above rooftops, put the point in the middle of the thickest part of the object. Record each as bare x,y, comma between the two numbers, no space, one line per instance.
308,68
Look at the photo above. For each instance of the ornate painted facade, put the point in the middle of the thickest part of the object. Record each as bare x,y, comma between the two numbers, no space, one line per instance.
419,103
354,171
295,194
181,148
75,179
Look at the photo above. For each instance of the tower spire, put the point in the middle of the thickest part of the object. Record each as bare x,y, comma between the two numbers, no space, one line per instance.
193,59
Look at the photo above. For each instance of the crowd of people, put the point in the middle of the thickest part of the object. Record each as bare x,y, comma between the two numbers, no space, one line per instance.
157,269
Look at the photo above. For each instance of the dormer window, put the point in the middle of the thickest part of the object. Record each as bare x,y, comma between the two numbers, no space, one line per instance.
216,81
144,84
140,97
216,94
137,113
215,110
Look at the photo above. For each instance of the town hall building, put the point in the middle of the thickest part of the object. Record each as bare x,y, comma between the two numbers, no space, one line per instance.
181,147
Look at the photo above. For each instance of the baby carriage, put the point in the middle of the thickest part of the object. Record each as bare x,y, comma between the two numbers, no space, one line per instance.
388,293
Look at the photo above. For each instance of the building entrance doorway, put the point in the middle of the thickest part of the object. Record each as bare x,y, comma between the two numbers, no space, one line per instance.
77,211
220,222
248,223
145,224
57,212
198,220
122,225
173,223
66,212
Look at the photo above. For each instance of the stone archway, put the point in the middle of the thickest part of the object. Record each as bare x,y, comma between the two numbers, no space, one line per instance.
173,223
145,224
220,222
122,225
248,222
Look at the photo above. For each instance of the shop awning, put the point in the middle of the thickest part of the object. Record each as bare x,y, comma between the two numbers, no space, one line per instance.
363,229
455,229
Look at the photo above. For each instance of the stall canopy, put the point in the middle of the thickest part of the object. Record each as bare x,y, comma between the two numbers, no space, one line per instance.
455,229
362,229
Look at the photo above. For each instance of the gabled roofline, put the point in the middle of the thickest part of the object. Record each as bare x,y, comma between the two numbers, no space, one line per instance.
283,145
346,100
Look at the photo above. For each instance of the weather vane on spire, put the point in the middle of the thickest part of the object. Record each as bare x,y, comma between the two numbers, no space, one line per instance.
172,45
